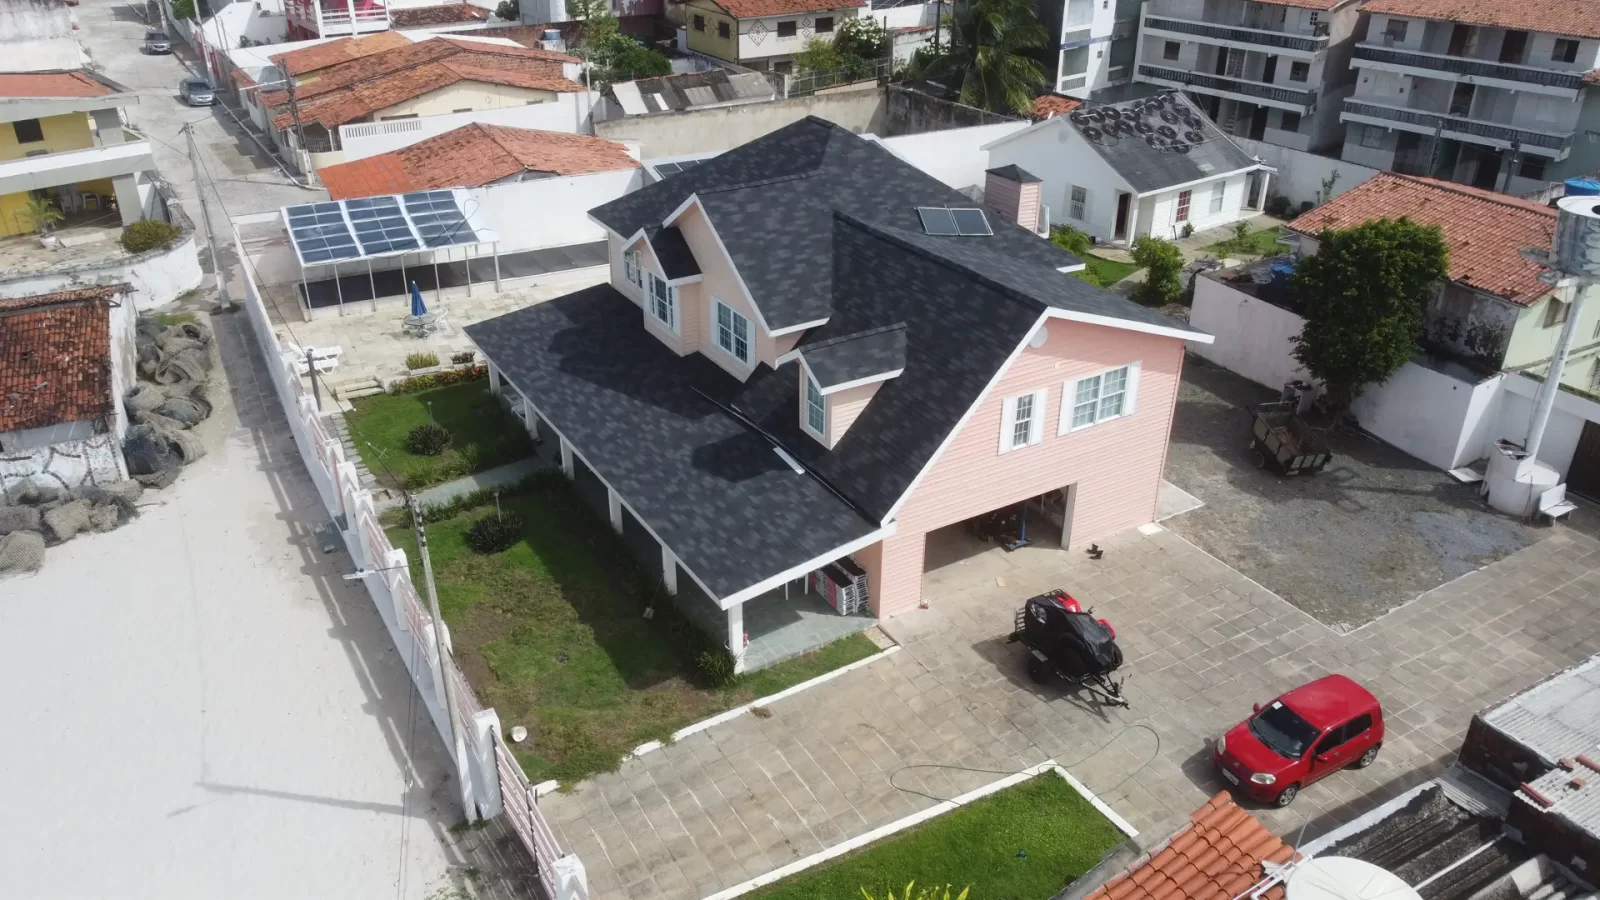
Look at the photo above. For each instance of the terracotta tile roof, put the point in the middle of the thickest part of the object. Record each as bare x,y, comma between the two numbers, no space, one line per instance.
448,14
343,50
55,358
1483,230
1571,17
1217,856
334,108
474,155
54,84
1592,76
1307,4
749,9
1054,105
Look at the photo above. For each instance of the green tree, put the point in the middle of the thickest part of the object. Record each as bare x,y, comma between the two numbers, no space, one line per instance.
1363,295
1163,265
819,56
183,9
988,63
508,10
595,24
627,59
862,38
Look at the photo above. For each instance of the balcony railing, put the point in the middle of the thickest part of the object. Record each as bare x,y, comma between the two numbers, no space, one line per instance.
1240,35
1430,121
1230,85
1476,68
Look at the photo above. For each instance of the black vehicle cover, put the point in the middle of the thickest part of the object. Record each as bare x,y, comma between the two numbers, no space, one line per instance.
1078,644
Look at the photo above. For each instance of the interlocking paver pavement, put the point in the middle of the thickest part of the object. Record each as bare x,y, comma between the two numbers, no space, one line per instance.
1201,641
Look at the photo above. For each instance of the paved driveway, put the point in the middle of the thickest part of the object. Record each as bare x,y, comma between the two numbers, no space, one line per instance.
954,709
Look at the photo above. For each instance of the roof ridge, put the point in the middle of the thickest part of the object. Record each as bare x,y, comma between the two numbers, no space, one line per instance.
853,336
1466,190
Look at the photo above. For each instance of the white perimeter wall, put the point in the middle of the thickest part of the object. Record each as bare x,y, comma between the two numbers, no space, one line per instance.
569,113
1300,173
157,279
955,157
551,212
1566,420
1252,336
1441,420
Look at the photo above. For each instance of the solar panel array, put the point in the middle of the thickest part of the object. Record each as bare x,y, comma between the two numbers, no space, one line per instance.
673,168
377,226
939,220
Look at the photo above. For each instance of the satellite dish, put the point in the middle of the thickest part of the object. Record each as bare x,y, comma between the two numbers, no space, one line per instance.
1093,133
1168,116
1155,140
1096,115
1144,127
1340,878
1167,131
1112,113
1194,136
1178,147
1079,118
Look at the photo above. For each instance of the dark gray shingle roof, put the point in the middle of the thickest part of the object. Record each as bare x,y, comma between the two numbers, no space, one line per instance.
1015,173
677,260
853,357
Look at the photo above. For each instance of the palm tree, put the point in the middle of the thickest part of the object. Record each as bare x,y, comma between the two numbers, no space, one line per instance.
988,63
40,213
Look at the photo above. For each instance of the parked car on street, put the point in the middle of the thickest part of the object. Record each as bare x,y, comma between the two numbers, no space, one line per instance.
1303,736
157,42
196,92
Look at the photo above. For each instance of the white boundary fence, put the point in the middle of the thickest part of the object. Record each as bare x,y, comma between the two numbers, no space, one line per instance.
491,781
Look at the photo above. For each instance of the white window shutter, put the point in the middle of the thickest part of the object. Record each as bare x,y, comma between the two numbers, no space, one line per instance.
1133,389
1069,391
1008,422
1036,425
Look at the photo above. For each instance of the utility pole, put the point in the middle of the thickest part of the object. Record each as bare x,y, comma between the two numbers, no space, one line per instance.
299,130
205,216
438,625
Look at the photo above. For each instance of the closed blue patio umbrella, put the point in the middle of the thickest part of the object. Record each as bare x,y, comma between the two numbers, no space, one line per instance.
418,308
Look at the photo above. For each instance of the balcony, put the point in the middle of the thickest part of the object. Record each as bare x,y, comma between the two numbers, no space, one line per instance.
1248,38
1456,127
1438,65
1300,101
36,173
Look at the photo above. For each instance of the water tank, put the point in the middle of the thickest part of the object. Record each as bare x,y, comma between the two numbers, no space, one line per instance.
1577,243
1582,187
554,34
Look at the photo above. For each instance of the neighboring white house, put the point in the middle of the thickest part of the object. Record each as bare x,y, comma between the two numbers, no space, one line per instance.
1118,171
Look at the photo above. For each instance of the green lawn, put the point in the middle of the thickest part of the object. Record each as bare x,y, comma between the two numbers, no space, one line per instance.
980,845
551,634
483,434
1258,243
1107,271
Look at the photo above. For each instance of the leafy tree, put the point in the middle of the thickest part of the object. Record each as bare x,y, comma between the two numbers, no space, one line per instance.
1163,266
595,24
1071,239
183,9
988,64
863,38
509,10
627,59
819,56
1362,296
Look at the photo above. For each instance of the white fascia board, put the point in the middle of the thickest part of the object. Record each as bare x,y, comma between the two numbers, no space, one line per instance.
791,356
870,379
687,279
1111,322
1070,269
811,565
789,329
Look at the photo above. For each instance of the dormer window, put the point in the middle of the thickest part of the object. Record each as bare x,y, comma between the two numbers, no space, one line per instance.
733,333
816,409
663,302
631,268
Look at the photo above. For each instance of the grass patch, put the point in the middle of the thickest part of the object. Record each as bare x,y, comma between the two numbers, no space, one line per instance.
551,633
1107,271
483,435
175,319
979,845
1259,243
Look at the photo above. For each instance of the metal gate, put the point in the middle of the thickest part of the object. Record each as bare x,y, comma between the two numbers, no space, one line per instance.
1583,476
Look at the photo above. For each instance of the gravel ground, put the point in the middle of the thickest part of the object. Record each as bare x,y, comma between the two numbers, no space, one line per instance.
1367,534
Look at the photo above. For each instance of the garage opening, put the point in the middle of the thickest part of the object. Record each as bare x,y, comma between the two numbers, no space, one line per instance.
1042,521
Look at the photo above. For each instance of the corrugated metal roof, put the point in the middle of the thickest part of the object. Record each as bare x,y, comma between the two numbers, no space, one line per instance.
1573,795
1556,718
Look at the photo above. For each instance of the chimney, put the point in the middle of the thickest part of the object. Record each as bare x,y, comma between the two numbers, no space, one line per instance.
1013,194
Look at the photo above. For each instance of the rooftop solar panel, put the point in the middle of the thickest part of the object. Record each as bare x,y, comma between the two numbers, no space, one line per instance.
971,221
377,226
937,220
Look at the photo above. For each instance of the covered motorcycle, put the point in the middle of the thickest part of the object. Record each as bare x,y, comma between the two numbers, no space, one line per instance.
1065,641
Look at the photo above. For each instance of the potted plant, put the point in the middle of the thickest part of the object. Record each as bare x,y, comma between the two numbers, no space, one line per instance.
41,215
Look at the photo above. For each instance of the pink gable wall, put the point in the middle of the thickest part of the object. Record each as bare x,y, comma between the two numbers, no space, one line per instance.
1117,465
721,282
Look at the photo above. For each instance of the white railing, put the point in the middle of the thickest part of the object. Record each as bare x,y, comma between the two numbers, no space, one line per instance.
368,129
491,781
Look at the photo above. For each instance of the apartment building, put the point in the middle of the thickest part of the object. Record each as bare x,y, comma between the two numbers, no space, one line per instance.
1272,70
763,34
1098,40
1498,94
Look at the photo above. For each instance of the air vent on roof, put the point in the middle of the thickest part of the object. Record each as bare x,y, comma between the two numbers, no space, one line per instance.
941,221
1205,167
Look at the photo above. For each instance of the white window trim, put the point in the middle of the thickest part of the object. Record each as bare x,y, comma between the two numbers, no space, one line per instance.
805,407
716,333
1219,192
1069,398
1008,421
672,303
1082,209
633,267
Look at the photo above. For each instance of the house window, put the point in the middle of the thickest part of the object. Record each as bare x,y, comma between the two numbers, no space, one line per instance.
1080,202
631,268
1098,398
1217,192
1170,49
699,23
816,412
28,131
1395,31
1291,121
1182,215
783,67
723,31
1299,71
1566,50
787,29
1372,136
733,333
1532,167
824,24
664,302
1556,313
1022,423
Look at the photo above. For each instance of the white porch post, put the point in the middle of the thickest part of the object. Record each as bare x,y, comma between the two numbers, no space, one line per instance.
528,415
495,385
669,570
614,509
129,205
566,458
736,636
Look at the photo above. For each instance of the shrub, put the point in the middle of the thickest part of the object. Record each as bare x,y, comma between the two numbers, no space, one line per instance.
419,383
428,440
421,360
1071,239
148,235
1089,276
494,532
1188,229
715,665
464,358
1163,264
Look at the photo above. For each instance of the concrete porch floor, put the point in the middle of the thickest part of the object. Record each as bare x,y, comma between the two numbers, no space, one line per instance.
88,239
782,627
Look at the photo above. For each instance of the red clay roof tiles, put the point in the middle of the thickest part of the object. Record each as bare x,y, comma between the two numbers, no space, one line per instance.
343,50
53,84
55,358
1048,105
1571,17
447,14
1196,863
1483,230
334,108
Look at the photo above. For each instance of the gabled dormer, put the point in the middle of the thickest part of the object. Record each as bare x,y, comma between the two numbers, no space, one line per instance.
839,377
658,272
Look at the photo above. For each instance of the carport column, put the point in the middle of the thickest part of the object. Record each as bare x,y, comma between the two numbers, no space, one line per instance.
894,573
614,509
528,415
494,379
128,202
566,459
669,570
736,636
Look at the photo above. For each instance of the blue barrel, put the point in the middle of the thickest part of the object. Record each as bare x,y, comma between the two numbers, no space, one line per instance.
1583,187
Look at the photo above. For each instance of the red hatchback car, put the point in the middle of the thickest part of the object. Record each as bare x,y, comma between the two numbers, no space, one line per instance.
1310,732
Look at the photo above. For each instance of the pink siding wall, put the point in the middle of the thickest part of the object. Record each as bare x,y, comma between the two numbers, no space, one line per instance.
721,282
1017,202
1117,465
845,406
783,343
